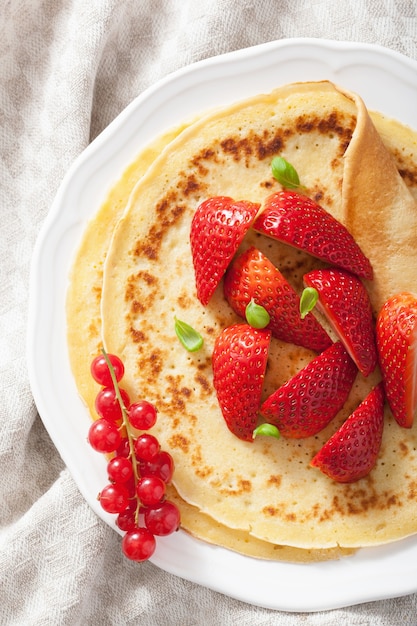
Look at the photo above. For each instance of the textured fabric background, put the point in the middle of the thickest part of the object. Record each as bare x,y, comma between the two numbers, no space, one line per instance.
67,68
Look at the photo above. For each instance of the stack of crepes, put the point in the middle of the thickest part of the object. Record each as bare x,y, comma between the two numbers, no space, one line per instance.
133,274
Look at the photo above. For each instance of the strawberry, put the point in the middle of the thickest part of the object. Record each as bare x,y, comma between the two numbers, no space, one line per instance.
217,229
351,453
345,302
239,362
307,402
396,337
298,221
252,276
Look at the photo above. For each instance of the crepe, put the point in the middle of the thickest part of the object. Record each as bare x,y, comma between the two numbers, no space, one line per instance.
85,342
265,489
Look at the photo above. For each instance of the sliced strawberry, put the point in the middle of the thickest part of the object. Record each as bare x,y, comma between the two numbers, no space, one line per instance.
345,302
298,221
351,453
306,403
396,336
239,362
252,276
217,229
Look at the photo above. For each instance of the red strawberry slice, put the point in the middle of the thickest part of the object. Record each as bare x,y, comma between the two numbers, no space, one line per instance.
217,229
239,362
345,302
306,403
252,276
396,337
351,453
300,222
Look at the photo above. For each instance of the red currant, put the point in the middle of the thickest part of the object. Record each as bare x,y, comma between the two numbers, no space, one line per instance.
162,465
162,519
146,447
124,448
114,498
150,490
126,519
119,469
142,415
140,504
104,436
100,370
138,544
107,405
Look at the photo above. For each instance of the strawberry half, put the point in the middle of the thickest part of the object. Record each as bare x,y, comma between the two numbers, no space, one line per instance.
298,221
351,453
306,403
345,302
239,361
396,337
252,276
217,229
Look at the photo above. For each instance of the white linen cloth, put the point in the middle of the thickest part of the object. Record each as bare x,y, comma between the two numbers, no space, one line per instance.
67,68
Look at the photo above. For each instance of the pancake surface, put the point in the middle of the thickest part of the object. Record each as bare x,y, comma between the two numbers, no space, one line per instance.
264,489
83,312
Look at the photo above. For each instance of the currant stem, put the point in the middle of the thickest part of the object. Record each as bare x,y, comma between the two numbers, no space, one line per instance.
127,427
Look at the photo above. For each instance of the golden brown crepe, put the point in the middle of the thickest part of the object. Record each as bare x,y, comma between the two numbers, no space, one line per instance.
266,489
85,342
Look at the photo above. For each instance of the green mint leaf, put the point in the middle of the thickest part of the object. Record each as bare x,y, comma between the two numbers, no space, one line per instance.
308,301
266,429
188,336
256,315
285,173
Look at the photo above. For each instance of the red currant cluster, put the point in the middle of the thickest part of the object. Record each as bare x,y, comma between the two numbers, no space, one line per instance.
138,469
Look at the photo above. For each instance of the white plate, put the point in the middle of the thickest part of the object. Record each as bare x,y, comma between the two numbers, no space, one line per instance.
387,82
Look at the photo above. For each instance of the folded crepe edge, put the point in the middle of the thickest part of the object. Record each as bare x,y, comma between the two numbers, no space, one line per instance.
378,208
